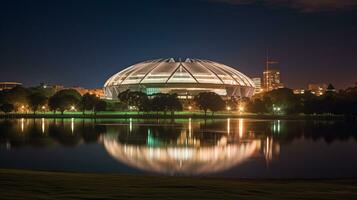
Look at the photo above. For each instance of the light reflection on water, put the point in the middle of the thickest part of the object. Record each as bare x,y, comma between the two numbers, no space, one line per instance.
176,147
189,153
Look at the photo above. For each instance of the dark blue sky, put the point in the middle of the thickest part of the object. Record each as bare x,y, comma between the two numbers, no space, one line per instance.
84,42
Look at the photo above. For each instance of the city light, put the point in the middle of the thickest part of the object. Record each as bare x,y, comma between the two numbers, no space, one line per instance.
189,107
228,108
73,108
241,109
276,109
23,108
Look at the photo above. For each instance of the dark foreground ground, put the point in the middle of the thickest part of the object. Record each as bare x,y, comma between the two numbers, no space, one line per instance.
21,184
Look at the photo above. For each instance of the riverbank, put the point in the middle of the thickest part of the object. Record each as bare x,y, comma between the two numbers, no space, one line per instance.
27,184
177,115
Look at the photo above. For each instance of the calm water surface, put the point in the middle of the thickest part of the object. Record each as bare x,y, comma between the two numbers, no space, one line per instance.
222,148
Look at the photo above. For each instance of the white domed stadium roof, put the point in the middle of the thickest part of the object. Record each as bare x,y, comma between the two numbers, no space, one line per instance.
166,71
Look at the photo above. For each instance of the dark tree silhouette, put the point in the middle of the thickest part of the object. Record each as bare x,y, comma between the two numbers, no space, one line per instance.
36,100
134,98
88,102
7,107
209,101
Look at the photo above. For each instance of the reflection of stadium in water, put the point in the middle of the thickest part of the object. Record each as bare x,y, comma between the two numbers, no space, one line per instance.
234,147
189,149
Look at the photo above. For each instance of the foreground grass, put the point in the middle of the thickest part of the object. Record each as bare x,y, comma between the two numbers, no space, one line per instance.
23,184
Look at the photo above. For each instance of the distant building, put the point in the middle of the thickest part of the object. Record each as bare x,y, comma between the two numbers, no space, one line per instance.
55,87
299,91
318,89
271,80
99,92
9,85
186,78
257,85
330,88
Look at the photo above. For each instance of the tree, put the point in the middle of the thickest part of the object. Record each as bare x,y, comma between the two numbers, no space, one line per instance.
307,102
46,91
53,103
69,92
232,103
88,102
36,100
64,100
113,105
7,107
209,101
158,103
101,105
257,106
134,98
173,103
284,99
166,102
2,97
16,96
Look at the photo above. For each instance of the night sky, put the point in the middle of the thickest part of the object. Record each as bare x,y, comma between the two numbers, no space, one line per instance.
82,43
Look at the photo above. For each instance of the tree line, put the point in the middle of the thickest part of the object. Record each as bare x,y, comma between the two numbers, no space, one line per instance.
280,101
169,103
35,99
284,101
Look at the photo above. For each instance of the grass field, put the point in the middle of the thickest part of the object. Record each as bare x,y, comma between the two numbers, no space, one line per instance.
23,184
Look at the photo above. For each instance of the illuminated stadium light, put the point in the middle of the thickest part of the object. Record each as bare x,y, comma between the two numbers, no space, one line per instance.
185,78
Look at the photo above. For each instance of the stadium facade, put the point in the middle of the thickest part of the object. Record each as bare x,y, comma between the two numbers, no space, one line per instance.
186,78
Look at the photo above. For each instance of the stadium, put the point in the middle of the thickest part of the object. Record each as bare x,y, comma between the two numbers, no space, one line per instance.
185,78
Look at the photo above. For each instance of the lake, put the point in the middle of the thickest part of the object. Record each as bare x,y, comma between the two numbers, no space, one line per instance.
237,148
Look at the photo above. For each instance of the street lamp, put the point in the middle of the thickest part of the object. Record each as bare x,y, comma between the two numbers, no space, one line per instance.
43,108
276,109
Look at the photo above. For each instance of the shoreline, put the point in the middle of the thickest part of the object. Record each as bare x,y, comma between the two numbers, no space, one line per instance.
183,115
32,184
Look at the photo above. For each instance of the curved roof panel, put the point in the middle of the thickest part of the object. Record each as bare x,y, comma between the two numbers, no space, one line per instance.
173,71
